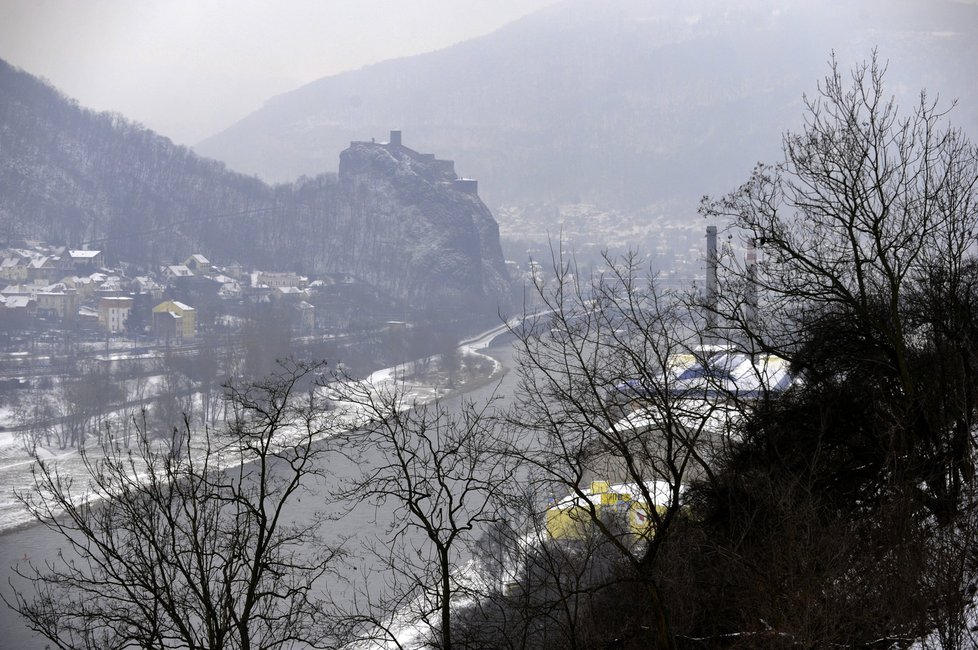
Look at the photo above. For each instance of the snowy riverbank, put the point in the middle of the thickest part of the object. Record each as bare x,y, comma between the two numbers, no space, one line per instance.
414,388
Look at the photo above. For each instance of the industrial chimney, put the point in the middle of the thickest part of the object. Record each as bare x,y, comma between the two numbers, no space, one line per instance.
750,297
711,280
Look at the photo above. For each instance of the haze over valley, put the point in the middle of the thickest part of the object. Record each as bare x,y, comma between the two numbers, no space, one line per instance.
543,324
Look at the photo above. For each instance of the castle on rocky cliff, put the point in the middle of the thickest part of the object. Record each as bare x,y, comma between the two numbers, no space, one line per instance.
445,169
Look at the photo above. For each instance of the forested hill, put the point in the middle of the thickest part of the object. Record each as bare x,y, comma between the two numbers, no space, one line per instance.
73,176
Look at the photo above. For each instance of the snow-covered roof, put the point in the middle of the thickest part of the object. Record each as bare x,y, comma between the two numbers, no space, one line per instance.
737,374
179,271
83,255
719,372
168,306
18,302
113,283
660,491
715,416
145,282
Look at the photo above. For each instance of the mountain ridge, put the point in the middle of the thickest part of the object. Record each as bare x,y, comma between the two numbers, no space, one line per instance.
629,104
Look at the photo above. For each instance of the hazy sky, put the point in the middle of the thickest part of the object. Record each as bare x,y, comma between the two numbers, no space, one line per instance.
188,68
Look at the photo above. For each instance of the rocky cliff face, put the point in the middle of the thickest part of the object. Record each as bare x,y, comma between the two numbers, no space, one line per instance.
433,240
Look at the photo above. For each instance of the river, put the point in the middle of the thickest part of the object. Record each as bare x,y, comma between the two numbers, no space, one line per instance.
40,544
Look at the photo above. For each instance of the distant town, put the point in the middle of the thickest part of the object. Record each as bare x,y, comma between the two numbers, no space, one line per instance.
60,307
53,288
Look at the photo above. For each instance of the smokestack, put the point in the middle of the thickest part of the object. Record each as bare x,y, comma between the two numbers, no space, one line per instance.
750,297
711,280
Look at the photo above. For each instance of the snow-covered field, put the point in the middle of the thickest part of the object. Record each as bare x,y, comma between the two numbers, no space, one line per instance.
16,465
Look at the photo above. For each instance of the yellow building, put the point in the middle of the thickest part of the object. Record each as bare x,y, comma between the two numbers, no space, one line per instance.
571,517
173,319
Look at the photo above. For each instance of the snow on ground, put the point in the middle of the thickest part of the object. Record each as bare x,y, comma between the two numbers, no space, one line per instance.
405,629
16,466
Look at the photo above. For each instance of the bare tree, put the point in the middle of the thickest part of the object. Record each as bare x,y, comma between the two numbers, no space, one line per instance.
867,283
195,375
866,236
266,337
441,471
547,591
78,409
449,358
195,550
601,398
34,411
133,410
951,581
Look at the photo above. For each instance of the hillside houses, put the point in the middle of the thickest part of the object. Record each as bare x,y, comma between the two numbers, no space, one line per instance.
55,288
43,263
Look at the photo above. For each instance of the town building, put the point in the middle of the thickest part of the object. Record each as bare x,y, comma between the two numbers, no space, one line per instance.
82,261
573,516
198,263
177,271
113,312
279,280
57,301
14,269
174,320
43,268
